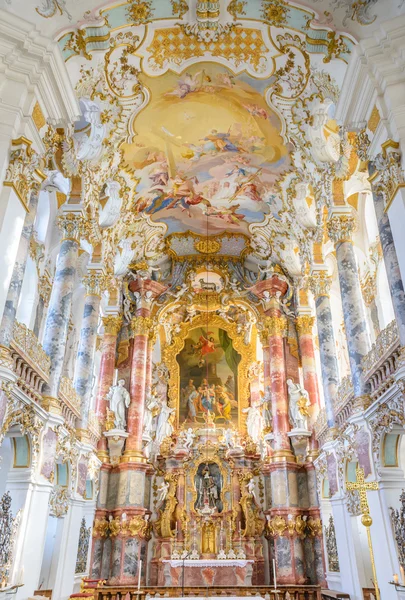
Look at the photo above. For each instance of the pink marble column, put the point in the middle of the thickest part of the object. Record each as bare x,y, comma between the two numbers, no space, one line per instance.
276,325
112,325
137,387
305,325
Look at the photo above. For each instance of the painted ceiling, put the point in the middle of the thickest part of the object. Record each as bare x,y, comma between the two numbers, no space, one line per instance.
206,118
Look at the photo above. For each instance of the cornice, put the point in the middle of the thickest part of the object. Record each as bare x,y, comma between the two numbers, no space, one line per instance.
28,56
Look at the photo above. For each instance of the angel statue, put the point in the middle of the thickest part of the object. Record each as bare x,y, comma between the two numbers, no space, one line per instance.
119,400
162,491
298,404
188,438
151,403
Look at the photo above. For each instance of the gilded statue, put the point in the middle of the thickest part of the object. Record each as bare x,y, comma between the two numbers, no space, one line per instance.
208,538
163,525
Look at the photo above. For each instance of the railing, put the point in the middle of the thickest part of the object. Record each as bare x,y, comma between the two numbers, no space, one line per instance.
70,401
294,592
344,400
381,362
31,363
94,427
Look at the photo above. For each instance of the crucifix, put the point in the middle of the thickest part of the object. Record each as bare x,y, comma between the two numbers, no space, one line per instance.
363,487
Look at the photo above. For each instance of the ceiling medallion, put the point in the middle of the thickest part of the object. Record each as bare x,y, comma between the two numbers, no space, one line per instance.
207,246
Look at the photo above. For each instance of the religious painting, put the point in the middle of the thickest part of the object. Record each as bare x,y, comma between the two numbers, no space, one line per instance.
208,367
208,484
207,151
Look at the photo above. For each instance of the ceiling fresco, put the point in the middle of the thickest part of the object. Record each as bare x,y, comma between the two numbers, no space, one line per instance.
207,151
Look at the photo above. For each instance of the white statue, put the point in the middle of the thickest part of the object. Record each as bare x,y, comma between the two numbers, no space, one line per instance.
298,404
254,422
250,486
163,490
127,308
188,439
269,268
229,438
183,289
164,427
119,400
150,404
266,409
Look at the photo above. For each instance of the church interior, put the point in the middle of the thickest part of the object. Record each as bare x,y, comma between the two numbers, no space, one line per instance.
202,339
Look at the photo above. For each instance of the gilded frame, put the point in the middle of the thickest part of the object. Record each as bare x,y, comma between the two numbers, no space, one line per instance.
246,351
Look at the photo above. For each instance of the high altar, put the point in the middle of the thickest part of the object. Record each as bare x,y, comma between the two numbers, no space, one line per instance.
220,448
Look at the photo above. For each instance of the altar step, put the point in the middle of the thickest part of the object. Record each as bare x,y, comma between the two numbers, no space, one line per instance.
284,592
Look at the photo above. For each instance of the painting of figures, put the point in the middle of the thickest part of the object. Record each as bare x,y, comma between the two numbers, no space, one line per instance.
208,378
206,151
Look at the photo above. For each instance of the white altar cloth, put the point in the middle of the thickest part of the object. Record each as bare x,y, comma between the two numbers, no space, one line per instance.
201,562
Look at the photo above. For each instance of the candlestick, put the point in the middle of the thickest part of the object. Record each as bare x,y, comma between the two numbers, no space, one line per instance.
274,574
401,569
139,575
396,578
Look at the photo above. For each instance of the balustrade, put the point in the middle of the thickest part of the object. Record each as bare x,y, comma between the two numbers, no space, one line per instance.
284,592
31,364
70,401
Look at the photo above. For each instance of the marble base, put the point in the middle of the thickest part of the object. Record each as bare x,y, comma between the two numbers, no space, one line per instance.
116,440
203,573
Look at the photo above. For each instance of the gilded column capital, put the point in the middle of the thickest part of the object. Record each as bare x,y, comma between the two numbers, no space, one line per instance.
23,173
141,325
320,283
71,224
276,325
304,324
112,324
386,174
341,227
95,283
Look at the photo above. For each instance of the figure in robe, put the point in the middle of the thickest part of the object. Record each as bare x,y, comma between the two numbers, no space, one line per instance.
207,490
119,400
164,427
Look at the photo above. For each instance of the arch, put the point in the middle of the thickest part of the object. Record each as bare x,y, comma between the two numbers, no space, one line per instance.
247,353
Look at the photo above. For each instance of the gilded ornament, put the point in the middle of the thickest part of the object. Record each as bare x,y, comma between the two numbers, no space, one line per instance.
83,548
305,324
320,283
341,228
114,526
59,501
275,12
100,528
38,116
140,11
141,325
314,527
374,120
77,44
207,246
95,282
236,8
331,546
179,8
276,326
71,225
23,173
112,324
139,527
277,526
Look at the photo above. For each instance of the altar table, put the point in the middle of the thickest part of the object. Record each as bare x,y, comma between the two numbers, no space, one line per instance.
203,572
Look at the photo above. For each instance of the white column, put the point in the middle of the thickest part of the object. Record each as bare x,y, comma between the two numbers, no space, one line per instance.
65,572
33,498
348,561
391,484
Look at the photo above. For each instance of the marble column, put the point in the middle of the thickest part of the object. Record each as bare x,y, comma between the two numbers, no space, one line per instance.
60,305
389,252
17,277
341,226
141,327
83,376
320,284
305,325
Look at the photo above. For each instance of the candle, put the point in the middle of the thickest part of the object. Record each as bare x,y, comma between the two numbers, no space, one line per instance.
139,575
401,568
175,532
21,576
274,574
395,577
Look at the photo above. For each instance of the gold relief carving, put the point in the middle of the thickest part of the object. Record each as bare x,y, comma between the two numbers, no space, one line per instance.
341,228
77,44
314,527
6,359
179,8
254,524
241,44
163,524
139,527
140,11
320,283
369,287
276,326
38,116
141,325
338,192
374,120
305,324
69,394
207,246
114,527
236,8
112,324
277,526
275,12
247,352
23,172
100,528
388,176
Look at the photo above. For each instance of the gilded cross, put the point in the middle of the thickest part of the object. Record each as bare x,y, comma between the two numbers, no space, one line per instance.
362,487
